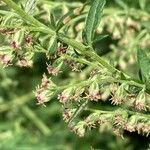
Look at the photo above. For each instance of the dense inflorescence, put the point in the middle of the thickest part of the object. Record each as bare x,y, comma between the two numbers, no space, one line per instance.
70,43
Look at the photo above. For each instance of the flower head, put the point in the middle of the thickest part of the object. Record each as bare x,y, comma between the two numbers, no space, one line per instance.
140,101
6,59
120,95
94,94
40,94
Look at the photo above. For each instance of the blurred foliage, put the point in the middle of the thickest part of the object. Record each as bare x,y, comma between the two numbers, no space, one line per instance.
24,125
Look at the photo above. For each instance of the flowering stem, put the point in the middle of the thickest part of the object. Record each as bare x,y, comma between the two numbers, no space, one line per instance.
27,17
78,111
81,60
116,110
101,81
84,50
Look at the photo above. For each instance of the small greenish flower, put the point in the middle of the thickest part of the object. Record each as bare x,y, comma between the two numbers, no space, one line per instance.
120,95
140,101
94,92
65,95
131,123
79,129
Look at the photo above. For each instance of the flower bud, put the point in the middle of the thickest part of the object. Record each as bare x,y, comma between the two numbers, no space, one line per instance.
92,119
130,125
80,128
54,70
6,59
94,94
120,95
41,95
65,95
140,101
120,118
146,128
68,114
24,63
77,94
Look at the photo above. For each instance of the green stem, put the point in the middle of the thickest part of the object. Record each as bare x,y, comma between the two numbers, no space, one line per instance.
32,116
78,111
116,110
76,45
27,17
100,81
81,60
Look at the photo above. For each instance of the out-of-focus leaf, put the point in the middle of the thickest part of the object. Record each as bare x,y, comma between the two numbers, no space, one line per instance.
121,4
146,25
142,3
93,19
144,64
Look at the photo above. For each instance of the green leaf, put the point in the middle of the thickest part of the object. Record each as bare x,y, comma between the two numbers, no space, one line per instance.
144,65
65,19
99,38
30,6
93,19
52,45
52,20
146,25
121,4
142,3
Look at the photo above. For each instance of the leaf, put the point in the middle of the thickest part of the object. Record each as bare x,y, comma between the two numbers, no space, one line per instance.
121,4
144,65
146,25
93,19
142,3
52,45
99,38
52,20
30,6
65,19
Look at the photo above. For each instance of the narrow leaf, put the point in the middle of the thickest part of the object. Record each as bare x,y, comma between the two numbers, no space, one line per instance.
68,17
144,64
30,6
99,38
93,19
121,4
142,4
52,20
52,45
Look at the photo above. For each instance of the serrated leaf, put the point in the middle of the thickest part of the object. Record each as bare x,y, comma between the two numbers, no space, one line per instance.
144,65
93,19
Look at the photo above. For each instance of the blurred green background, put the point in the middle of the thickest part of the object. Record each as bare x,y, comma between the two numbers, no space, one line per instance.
25,125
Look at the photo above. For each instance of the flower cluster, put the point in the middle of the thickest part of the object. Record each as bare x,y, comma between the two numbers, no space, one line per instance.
18,49
42,93
117,121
